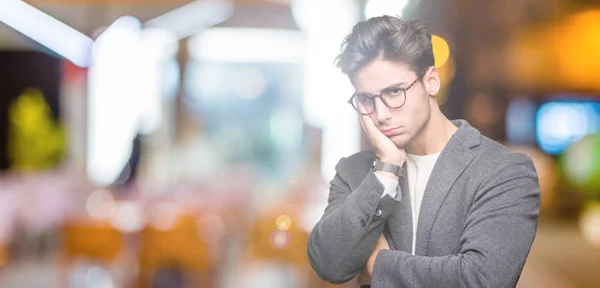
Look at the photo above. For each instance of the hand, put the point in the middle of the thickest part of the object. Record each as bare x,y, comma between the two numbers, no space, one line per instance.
385,149
381,245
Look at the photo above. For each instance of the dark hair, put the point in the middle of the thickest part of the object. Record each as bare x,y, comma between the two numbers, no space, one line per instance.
388,38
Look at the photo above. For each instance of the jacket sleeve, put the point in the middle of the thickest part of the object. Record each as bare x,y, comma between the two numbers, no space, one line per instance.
342,241
499,230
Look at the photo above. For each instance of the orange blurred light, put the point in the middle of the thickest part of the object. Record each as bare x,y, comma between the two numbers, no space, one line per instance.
441,50
283,222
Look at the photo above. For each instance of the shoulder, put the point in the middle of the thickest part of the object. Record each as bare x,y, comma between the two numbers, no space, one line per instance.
496,156
498,164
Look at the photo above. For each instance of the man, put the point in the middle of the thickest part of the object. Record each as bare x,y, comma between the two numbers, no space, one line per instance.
435,204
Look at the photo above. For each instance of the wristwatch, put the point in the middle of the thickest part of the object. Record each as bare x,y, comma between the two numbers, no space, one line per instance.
379,165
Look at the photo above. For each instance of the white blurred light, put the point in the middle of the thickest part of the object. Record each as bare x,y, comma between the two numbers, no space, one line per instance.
326,89
128,217
157,43
248,45
113,118
194,17
125,81
375,8
100,204
98,277
156,47
41,27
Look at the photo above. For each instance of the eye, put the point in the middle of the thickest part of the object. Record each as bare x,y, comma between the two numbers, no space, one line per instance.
363,98
394,91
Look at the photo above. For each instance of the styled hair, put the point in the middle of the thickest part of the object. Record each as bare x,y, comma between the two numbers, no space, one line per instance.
388,38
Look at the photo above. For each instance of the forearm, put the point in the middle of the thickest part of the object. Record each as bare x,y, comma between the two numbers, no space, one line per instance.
343,240
401,269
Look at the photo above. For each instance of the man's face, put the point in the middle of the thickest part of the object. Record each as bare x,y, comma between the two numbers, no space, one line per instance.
402,124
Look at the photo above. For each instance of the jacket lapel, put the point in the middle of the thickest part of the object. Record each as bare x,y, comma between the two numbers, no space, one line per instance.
453,160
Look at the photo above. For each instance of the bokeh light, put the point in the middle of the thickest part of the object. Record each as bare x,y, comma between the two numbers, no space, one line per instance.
441,50
98,277
559,124
280,239
581,164
283,222
589,223
100,205
164,216
128,217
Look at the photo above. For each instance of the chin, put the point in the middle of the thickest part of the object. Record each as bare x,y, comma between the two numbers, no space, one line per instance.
400,140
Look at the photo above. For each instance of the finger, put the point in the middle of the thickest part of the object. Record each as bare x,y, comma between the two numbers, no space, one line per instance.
363,122
370,126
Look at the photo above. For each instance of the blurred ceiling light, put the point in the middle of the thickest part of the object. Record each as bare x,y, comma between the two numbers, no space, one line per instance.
441,50
326,89
194,17
376,8
113,115
46,30
248,45
325,17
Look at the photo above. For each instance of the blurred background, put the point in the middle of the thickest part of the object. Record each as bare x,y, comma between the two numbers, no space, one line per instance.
152,143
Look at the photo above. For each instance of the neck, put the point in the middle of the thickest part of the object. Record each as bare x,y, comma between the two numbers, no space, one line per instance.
434,136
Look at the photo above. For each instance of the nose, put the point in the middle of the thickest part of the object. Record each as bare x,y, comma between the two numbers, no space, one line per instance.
381,111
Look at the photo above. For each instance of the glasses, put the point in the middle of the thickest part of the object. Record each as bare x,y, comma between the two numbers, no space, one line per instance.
393,97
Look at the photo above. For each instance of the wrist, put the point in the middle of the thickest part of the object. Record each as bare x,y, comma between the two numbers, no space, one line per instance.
398,162
388,175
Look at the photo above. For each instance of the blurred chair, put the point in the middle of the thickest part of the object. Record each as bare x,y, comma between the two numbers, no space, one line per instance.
177,248
94,241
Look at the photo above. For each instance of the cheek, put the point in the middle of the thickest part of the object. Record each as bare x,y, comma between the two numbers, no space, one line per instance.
373,117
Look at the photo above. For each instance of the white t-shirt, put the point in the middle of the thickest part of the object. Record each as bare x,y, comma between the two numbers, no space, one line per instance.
418,171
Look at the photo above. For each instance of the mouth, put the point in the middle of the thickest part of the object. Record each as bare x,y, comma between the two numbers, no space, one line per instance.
392,131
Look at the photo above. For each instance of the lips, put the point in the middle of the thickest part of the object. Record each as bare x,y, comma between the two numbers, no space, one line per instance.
390,132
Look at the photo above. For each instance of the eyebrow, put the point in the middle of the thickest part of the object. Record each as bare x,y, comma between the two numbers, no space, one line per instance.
395,85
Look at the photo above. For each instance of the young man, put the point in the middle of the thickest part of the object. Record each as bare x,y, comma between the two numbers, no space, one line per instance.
435,204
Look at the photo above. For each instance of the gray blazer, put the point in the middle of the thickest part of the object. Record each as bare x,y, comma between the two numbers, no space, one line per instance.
477,221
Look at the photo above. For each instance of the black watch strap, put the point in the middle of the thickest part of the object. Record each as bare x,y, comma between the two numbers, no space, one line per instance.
387,167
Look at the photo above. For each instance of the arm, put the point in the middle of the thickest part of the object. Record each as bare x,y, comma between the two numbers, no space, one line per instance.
342,241
499,231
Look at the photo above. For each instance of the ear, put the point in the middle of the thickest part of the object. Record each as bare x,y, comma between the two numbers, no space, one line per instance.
432,81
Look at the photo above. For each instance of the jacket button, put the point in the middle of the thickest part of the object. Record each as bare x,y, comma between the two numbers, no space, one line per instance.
378,212
363,223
